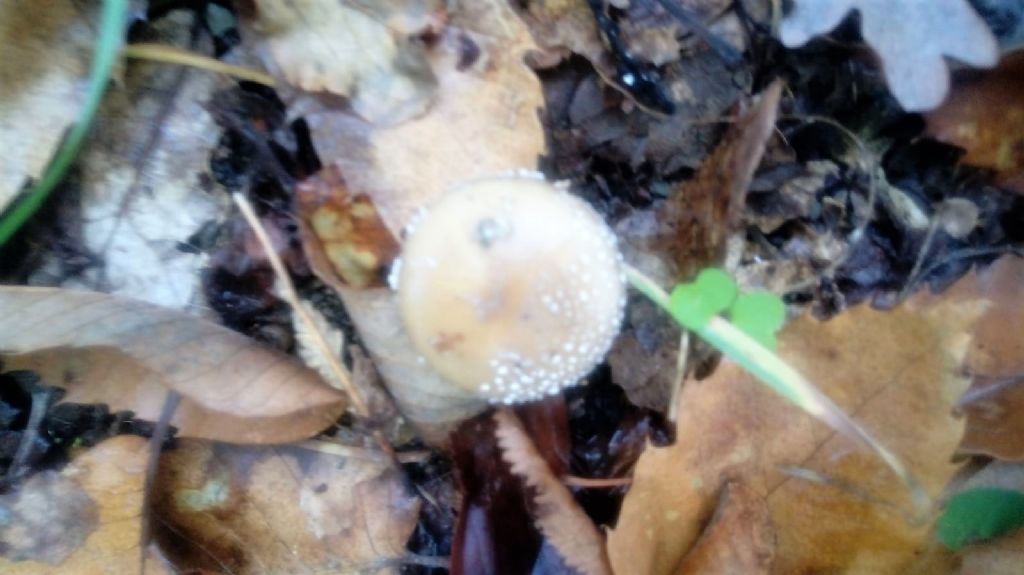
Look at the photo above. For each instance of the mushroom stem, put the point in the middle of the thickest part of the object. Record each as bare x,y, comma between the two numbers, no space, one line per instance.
781,377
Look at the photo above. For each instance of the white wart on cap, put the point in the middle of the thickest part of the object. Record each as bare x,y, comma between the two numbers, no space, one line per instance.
511,288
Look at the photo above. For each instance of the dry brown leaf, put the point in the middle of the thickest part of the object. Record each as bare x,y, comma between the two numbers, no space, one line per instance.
86,520
994,405
562,521
128,354
702,212
985,116
484,122
280,510
566,24
832,505
42,72
911,38
738,539
349,50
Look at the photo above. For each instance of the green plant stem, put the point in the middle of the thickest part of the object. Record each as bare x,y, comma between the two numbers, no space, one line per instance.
104,57
781,377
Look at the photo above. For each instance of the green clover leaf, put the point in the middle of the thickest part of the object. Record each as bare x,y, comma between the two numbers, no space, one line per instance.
759,315
694,304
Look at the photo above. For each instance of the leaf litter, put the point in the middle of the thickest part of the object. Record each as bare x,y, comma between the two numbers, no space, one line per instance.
847,205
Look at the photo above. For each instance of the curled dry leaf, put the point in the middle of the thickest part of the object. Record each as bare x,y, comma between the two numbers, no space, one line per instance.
46,58
985,116
343,235
128,354
483,122
86,519
280,510
894,371
910,37
562,521
345,49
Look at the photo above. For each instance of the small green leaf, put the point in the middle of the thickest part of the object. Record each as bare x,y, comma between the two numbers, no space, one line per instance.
980,514
717,289
759,315
694,304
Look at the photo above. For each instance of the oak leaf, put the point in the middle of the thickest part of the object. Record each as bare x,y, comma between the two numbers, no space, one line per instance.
831,505
911,37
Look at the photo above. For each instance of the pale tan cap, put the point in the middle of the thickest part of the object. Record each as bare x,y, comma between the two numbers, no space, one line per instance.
511,288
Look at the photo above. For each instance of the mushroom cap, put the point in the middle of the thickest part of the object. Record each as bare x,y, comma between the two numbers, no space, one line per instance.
511,288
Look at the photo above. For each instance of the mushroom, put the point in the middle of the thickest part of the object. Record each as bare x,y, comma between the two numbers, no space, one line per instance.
511,288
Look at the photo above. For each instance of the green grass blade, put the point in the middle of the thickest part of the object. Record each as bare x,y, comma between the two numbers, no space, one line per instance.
108,45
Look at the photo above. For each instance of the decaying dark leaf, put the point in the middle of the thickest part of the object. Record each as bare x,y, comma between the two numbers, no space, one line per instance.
556,513
344,237
495,530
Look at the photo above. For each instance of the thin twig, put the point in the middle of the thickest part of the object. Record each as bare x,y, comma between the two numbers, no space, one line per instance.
160,433
922,254
596,482
30,436
291,295
681,366
354,452
174,55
